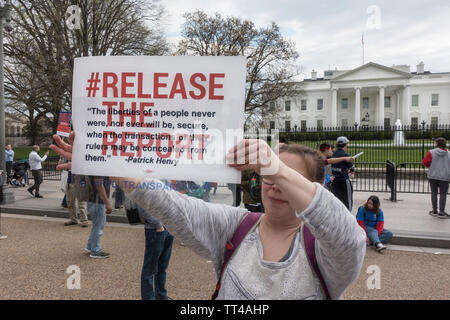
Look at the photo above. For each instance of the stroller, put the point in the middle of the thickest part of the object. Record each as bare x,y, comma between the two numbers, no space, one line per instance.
20,173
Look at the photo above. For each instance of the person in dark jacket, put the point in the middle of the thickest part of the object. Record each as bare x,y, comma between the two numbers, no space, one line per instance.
438,160
342,187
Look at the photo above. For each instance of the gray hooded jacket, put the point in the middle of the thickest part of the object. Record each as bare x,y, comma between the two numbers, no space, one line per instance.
440,165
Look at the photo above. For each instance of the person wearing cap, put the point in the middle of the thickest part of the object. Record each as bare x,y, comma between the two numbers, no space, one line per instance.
326,151
342,187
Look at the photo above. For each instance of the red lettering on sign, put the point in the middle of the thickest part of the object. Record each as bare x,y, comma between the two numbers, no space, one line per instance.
110,85
157,85
198,86
107,143
131,114
141,95
158,145
184,147
141,144
178,82
110,106
126,143
144,113
213,85
126,85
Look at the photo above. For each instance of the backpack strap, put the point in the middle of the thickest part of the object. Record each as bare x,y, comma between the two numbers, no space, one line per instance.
249,222
309,242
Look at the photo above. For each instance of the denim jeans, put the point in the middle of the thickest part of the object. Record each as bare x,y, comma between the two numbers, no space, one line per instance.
441,187
98,216
384,237
158,248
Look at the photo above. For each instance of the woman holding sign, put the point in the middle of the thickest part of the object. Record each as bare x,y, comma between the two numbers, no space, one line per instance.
273,259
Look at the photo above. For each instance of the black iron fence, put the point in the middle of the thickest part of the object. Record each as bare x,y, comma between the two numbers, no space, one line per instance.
49,171
403,146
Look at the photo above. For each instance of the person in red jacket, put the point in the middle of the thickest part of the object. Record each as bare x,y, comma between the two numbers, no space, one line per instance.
371,218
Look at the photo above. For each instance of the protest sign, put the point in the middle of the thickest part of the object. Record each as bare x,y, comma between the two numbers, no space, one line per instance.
64,121
158,117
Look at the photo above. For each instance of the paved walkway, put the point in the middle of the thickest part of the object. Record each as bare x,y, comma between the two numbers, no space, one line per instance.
408,218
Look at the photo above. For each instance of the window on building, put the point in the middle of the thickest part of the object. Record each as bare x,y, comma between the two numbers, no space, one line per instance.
303,124
287,105
272,125
319,104
435,99
344,103
414,122
319,124
434,121
387,122
366,103
344,123
288,125
415,100
304,105
272,106
387,102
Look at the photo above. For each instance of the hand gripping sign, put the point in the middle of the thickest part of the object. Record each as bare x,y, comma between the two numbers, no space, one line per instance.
158,117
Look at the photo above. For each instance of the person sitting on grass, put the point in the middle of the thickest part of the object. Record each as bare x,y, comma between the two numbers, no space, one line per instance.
370,217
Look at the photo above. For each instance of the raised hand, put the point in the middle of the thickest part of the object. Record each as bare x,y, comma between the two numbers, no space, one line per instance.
64,150
254,155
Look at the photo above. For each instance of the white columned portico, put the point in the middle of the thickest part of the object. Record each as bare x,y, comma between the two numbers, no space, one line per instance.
381,107
358,105
406,104
334,109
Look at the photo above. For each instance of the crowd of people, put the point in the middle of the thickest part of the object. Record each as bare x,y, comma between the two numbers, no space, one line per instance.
295,237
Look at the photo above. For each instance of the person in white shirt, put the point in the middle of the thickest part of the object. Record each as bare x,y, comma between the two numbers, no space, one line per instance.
36,169
9,159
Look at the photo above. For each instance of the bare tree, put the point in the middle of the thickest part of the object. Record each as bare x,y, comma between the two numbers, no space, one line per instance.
271,59
45,43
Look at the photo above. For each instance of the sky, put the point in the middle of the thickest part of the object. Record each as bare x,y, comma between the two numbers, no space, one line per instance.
328,33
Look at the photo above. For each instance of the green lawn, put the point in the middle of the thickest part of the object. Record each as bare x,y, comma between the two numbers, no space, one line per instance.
21,153
372,153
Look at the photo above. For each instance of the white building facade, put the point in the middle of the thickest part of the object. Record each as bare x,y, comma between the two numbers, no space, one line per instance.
370,95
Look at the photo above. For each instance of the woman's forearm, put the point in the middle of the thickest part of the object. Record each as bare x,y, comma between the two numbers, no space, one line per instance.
127,184
299,191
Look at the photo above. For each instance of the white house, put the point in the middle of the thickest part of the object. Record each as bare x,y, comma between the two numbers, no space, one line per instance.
370,95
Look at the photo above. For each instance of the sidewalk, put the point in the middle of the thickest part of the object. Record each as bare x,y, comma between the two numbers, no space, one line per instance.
407,218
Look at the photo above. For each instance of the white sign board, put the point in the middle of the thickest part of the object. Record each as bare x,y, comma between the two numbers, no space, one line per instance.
158,117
